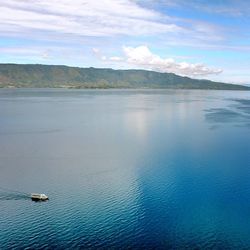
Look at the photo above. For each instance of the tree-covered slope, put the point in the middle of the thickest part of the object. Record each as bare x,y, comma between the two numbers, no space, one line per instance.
34,75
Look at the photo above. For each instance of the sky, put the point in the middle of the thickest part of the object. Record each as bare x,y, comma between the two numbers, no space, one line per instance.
195,38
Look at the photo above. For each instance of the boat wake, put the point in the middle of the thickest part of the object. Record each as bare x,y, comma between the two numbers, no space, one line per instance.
10,196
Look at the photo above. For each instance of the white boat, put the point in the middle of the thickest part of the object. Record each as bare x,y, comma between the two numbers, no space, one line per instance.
39,197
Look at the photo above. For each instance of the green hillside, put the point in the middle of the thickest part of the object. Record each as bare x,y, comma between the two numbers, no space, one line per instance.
41,76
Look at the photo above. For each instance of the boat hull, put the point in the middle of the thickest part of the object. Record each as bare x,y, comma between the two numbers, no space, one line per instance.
39,199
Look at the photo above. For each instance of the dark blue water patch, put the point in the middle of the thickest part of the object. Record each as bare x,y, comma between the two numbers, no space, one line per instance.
243,105
243,125
236,115
190,204
214,127
222,115
244,102
244,109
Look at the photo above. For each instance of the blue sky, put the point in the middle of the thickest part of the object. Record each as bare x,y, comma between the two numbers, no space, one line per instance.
201,39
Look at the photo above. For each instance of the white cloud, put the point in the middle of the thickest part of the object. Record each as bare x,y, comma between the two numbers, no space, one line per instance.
103,58
46,55
116,59
95,51
81,18
37,53
142,56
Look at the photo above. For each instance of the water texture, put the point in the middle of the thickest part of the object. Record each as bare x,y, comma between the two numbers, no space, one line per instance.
154,169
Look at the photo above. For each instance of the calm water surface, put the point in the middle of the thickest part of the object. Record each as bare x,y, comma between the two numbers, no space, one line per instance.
123,169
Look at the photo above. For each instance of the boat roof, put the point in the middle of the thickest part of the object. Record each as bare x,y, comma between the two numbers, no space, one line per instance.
38,194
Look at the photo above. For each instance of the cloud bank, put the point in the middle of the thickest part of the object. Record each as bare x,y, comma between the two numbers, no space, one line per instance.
141,56
65,19
81,18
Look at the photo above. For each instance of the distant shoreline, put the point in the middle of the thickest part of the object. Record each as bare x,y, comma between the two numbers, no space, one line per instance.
72,88
53,76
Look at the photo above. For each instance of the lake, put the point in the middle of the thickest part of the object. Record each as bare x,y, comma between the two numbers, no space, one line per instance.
162,169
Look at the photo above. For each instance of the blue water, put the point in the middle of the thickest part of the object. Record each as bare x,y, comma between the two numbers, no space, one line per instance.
154,169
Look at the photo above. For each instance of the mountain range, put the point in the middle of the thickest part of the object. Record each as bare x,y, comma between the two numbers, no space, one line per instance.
54,76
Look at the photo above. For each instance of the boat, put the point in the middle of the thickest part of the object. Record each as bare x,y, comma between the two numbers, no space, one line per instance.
39,197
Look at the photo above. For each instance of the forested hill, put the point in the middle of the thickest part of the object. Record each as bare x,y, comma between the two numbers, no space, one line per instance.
41,76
